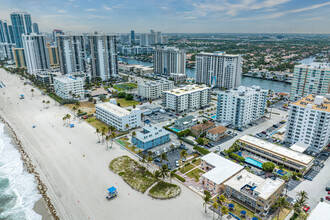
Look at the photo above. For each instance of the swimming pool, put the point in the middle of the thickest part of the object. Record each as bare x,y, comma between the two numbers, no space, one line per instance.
214,116
175,129
253,162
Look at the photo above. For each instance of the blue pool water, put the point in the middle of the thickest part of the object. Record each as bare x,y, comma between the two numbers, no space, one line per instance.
175,129
253,162
214,117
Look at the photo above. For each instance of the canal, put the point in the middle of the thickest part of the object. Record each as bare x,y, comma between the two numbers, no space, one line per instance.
246,81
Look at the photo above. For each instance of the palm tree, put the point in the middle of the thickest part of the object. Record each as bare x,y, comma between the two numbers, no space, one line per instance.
111,128
68,117
172,146
149,159
142,115
127,126
144,159
281,203
162,157
150,101
206,200
133,134
103,132
224,211
32,91
43,102
74,109
47,103
107,138
172,175
64,118
215,206
77,104
163,171
113,136
97,132
157,174
183,154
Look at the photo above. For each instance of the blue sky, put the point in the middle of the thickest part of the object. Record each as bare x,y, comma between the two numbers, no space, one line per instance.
176,16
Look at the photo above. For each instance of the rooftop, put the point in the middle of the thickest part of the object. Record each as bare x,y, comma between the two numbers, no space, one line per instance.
299,147
242,91
254,185
282,152
325,66
218,130
114,109
187,89
321,212
219,53
202,126
223,168
67,79
321,103
186,119
150,132
154,82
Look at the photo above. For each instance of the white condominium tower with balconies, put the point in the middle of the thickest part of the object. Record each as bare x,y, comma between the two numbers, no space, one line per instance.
151,89
169,60
309,122
219,69
241,106
308,79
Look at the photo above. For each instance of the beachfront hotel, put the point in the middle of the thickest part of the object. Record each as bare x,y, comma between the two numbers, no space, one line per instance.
150,89
169,60
291,159
218,170
19,57
219,69
69,87
308,79
189,98
242,105
256,193
309,122
151,136
118,117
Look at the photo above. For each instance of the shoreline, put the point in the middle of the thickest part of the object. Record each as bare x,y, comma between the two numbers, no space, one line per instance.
43,206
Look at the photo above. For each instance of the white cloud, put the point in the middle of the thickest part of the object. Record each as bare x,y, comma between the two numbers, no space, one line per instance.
90,9
190,17
61,11
106,8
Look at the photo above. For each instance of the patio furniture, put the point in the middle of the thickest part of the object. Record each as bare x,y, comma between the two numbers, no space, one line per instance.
243,213
254,218
231,206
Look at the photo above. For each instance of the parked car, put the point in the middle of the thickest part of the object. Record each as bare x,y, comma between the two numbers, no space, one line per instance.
157,159
217,149
327,198
264,132
327,188
239,129
325,154
229,132
177,163
313,154
169,166
250,124
184,159
282,122
170,115
183,147
316,163
275,126
306,208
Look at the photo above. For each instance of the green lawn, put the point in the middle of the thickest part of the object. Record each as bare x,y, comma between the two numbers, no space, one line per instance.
125,86
238,208
197,162
124,103
195,174
135,175
96,123
164,190
283,214
125,142
185,169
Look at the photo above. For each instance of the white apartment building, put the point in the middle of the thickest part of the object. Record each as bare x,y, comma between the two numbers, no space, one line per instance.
72,53
309,122
36,53
6,51
219,69
69,87
104,61
191,97
169,60
308,79
149,89
120,118
178,77
242,105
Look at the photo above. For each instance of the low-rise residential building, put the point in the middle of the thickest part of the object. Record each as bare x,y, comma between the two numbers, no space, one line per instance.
150,137
69,87
216,133
257,193
202,128
309,122
178,77
291,159
149,89
242,105
118,117
218,170
185,122
189,98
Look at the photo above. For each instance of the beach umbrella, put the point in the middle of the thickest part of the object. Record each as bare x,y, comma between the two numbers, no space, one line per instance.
231,205
255,218
243,212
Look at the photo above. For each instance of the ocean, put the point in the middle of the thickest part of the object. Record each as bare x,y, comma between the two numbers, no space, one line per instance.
18,189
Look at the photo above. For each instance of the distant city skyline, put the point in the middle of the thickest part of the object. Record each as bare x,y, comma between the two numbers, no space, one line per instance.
168,16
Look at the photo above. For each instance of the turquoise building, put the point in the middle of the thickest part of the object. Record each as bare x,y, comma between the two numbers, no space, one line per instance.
150,137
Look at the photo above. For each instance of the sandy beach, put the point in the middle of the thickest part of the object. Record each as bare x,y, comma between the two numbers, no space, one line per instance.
74,166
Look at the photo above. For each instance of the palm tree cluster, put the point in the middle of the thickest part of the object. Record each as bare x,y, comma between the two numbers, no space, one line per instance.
67,119
46,103
106,134
301,202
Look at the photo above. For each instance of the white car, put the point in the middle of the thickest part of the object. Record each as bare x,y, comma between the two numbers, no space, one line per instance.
177,163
